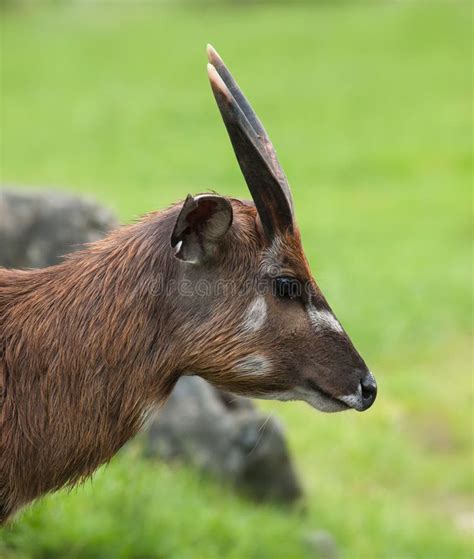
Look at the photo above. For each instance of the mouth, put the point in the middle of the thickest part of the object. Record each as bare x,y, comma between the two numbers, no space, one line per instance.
360,400
321,400
312,395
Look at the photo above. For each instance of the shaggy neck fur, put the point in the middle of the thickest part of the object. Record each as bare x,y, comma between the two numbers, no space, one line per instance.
82,358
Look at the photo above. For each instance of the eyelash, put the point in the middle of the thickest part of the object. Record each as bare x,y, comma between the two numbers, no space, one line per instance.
287,288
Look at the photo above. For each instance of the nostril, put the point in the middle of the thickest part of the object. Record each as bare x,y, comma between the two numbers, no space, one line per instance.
369,390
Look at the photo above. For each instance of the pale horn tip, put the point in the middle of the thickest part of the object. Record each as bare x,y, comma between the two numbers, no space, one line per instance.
212,54
217,83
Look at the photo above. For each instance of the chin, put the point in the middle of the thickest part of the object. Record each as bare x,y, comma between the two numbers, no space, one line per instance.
322,402
315,398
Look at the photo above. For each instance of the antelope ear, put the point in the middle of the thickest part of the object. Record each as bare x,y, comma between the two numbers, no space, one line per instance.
201,224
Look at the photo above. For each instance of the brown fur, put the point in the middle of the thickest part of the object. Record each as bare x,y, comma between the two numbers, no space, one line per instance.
85,348
88,346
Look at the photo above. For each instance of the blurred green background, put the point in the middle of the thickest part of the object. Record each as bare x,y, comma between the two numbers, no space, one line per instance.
369,106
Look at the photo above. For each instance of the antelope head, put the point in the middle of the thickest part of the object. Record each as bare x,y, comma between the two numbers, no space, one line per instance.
263,328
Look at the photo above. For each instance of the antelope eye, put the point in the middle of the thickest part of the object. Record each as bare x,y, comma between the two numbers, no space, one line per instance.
287,288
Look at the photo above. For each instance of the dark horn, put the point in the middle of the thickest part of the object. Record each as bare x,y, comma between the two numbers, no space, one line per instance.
254,151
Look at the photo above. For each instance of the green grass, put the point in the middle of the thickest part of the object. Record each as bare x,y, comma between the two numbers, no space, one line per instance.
369,106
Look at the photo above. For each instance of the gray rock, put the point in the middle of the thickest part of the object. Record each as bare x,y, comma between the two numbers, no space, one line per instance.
38,228
225,436
322,544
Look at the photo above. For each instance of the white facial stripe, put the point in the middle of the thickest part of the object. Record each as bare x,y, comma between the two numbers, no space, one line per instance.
324,319
251,365
256,315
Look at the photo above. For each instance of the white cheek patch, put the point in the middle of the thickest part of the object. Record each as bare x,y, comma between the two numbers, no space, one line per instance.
256,315
254,365
324,320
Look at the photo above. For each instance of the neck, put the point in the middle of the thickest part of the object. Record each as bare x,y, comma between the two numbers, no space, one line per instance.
82,358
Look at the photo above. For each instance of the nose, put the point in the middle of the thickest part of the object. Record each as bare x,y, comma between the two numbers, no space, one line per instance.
369,390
